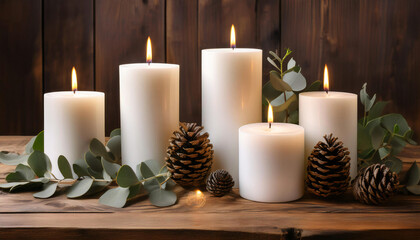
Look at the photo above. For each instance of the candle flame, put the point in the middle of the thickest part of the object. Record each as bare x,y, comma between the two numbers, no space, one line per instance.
232,37
326,80
149,51
270,115
73,80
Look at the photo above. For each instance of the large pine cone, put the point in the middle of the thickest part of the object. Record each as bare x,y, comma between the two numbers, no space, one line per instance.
375,184
189,155
219,183
328,168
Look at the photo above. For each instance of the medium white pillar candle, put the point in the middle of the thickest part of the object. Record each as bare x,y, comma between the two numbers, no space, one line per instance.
149,100
271,162
323,113
231,97
71,121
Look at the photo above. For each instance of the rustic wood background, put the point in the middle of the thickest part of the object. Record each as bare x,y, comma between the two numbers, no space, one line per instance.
374,41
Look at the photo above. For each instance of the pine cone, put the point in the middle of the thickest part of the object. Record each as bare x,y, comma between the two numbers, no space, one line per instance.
219,183
375,184
328,168
189,155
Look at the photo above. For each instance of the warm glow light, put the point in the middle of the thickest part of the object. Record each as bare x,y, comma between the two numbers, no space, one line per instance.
73,80
196,199
270,115
232,37
149,51
326,81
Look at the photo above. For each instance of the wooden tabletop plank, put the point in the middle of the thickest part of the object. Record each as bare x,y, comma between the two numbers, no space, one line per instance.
229,217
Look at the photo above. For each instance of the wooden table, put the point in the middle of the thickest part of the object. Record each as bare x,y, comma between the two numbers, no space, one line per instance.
229,217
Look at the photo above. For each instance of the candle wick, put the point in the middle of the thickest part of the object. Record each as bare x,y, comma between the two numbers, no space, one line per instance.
148,63
269,125
74,91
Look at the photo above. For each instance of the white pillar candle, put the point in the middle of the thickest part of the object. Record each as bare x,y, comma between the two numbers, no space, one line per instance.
71,121
271,162
231,97
149,100
323,113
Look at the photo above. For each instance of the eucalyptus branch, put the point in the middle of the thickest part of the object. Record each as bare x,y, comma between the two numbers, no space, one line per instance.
167,174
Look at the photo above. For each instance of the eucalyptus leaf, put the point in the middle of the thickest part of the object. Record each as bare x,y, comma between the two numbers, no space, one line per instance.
291,63
22,173
39,142
278,83
269,92
116,197
93,162
364,141
151,185
80,168
64,167
395,164
389,121
295,80
29,146
98,149
97,186
95,174
80,188
126,177
383,152
397,144
315,86
11,184
162,198
48,190
40,163
413,175
376,110
40,180
271,61
275,56
12,159
378,134
414,189
29,186
284,106
110,168
115,132
114,145
145,171
280,99
365,99
170,184
135,190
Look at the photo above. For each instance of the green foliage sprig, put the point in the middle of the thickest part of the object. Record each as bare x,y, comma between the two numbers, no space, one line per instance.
381,137
99,168
284,87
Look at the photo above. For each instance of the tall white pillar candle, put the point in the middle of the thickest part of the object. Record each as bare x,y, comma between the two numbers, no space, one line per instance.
71,121
231,97
271,162
149,100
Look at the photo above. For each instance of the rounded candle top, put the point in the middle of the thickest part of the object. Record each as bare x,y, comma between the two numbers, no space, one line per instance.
275,130
230,50
148,66
71,94
330,94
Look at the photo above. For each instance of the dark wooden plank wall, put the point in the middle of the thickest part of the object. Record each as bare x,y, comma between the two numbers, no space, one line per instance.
374,41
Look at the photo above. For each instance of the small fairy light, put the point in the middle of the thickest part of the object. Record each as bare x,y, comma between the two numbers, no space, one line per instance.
196,199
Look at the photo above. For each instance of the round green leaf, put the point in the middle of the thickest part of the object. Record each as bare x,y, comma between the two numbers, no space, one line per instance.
291,63
22,173
278,83
378,134
11,184
413,175
145,171
48,190
389,121
414,189
64,167
135,190
114,145
80,188
29,186
295,80
394,164
126,177
12,159
98,149
39,162
80,168
116,197
39,142
115,132
162,198
151,185
110,168
29,146
93,162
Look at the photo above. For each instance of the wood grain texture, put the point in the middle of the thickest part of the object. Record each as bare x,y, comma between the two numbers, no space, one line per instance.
68,42
182,49
122,28
20,67
228,217
361,41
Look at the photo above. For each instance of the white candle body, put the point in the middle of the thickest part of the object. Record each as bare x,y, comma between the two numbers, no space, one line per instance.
336,112
271,162
231,97
71,121
149,100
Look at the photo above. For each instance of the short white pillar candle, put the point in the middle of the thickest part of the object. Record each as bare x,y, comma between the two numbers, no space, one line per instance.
271,162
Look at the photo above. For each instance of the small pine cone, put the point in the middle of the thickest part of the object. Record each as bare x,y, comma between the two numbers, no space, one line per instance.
328,168
375,184
189,155
219,183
